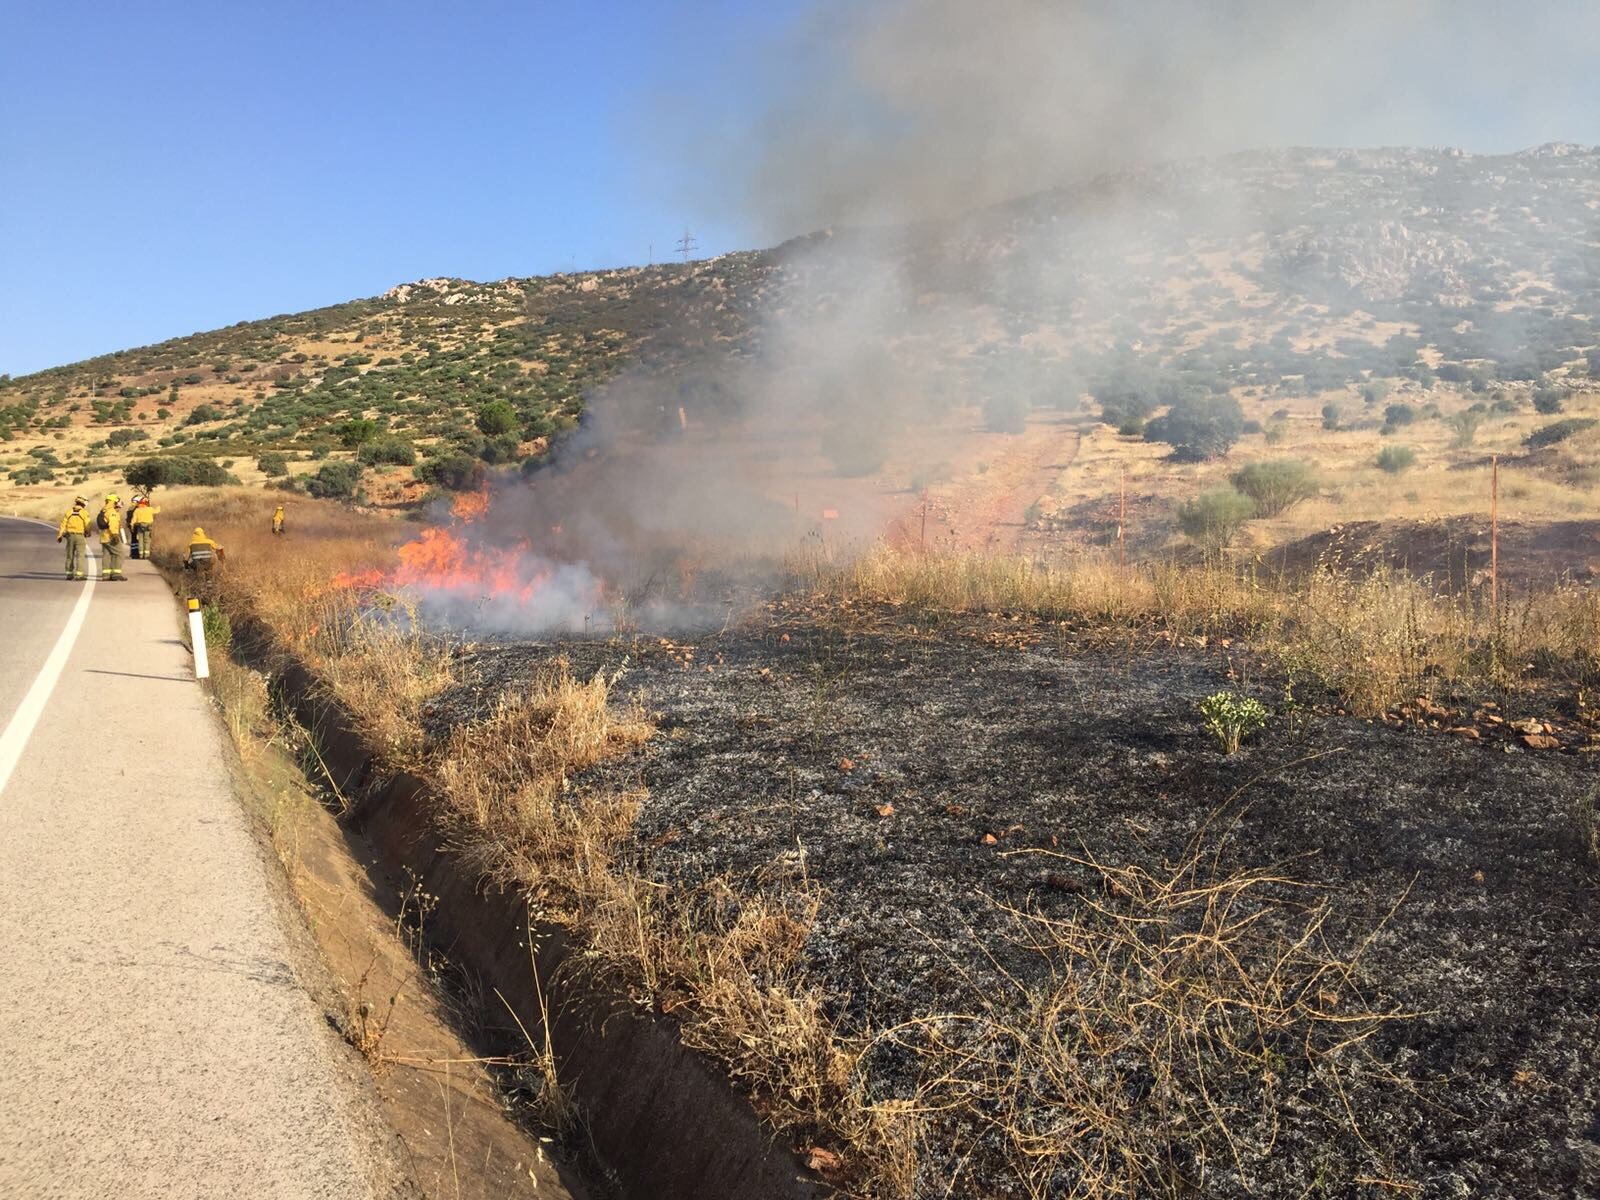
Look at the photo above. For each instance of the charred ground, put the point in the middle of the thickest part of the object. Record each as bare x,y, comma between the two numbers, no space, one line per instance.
943,783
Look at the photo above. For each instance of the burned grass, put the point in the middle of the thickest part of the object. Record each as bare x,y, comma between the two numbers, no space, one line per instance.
1045,939
970,904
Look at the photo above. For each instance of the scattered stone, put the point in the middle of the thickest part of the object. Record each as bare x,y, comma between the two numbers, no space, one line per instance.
1466,731
1540,741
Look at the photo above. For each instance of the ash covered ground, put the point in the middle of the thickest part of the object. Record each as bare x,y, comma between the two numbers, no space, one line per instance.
900,762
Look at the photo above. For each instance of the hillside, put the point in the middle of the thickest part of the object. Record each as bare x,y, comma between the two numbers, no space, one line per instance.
983,863
1319,288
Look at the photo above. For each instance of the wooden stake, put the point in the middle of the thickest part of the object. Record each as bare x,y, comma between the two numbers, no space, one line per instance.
1494,533
924,539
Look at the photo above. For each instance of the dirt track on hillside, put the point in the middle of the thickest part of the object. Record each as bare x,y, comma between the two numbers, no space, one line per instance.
987,510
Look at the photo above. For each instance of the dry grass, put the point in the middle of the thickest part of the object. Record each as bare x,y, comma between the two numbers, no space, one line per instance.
1374,640
1177,1014
1586,814
1447,481
726,964
366,649
507,776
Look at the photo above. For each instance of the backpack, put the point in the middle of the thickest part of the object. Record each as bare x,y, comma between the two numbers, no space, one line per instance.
100,521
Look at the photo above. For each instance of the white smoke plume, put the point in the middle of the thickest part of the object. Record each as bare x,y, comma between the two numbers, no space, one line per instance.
885,125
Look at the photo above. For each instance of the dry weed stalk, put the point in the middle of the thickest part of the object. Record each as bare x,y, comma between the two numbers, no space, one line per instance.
1174,1018
365,1028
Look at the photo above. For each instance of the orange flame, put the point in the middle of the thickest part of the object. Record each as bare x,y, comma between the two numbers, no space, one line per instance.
360,579
445,561
470,506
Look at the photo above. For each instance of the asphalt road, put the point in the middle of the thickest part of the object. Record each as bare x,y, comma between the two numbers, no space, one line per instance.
156,1037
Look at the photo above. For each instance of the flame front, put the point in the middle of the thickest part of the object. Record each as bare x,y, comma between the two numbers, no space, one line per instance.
443,565
441,560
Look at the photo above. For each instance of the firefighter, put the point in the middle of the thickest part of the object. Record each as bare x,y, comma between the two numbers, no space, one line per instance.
109,522
73,531
203,552
142,520
277,519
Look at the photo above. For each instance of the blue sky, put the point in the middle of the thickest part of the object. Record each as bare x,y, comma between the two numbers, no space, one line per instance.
166,167
172,167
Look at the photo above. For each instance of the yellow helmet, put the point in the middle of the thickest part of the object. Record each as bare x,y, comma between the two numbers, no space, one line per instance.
198,532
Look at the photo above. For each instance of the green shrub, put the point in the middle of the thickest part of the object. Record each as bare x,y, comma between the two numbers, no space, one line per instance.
216,628
1198,427
1548,401
355,432
273,464
1127,400
497,418
1230,718
1464,425
1395,459
1276,485
455,472
202,413
174,470
1397,415
394,451
1558,431
1331,416
335,481
121,437
1212,519
502,448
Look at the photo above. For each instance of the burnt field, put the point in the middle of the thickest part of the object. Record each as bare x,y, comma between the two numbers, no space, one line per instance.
1087,953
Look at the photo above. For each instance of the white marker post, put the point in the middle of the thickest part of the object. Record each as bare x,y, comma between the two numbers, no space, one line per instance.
197,639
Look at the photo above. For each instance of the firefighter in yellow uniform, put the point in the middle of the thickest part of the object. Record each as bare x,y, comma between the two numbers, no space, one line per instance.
74,531
277,519
141,521
203,552
109,522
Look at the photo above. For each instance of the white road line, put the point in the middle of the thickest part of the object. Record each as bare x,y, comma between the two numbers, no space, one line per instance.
15,739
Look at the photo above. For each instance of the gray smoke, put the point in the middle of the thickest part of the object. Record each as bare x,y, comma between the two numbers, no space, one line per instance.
887,112
886,125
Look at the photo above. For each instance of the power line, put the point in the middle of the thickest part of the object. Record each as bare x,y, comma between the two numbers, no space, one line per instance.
686,244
